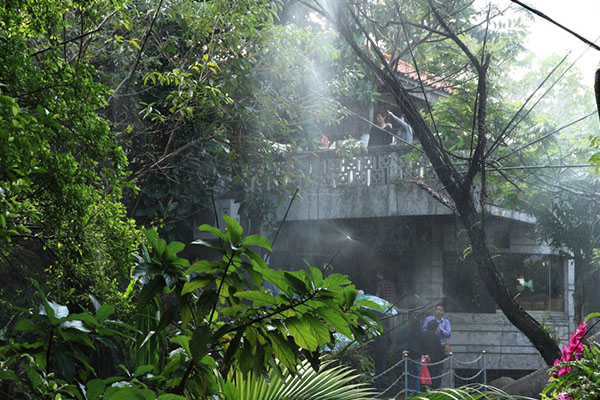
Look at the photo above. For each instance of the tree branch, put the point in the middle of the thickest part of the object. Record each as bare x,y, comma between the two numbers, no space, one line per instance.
78,37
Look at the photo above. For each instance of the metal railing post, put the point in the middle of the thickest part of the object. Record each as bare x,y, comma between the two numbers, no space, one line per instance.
484,370
451,382
405,354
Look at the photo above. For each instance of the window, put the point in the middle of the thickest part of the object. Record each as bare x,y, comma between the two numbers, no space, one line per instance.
536,281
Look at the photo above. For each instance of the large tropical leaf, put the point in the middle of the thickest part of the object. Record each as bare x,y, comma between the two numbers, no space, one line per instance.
306,384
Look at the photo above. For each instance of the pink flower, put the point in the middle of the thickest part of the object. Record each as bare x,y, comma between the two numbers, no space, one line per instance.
564,396
564,371
581,330
565,354
572,351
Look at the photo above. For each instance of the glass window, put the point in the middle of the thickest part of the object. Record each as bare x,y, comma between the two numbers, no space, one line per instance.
536,281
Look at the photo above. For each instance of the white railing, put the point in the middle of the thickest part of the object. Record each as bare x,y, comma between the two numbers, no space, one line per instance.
405,378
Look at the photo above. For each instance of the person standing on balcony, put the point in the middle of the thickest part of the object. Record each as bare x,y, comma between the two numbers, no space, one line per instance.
381,133
404,130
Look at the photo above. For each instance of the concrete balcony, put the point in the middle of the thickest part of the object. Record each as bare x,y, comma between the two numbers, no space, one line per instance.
372,184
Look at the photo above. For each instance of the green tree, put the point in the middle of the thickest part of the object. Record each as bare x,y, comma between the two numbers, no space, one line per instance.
221,95
61,170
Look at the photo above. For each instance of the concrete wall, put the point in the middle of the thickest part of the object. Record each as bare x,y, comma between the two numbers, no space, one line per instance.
505,346
368,185
326,202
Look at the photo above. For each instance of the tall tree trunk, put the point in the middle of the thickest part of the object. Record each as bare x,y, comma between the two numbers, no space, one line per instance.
496,286
457,186
597,89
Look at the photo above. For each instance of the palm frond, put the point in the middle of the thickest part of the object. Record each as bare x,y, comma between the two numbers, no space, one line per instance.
306,384
468,392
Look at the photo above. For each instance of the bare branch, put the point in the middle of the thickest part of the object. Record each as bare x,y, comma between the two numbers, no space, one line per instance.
78,37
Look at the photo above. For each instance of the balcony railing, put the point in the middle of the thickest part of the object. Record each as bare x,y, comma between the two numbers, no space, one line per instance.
379,165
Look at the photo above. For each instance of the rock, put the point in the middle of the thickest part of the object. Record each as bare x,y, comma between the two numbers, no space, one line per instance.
530,385
501,382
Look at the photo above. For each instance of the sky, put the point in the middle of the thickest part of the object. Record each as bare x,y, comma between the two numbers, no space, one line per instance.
581,16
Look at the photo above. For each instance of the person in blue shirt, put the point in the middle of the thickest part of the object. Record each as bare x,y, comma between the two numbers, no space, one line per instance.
440,327
404,130
443,330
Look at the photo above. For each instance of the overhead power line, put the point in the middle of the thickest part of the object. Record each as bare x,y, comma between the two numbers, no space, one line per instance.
521,167
547,18
546,135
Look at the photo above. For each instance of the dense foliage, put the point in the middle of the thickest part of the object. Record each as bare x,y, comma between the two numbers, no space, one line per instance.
61,171
213,317
222,95
170,104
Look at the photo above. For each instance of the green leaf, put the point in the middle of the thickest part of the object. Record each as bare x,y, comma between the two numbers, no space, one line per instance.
211,229
233,346
170,396
167,317
336,280
147,270
350,294
129,393
206,302
105,311
94,389
336,320
183,341
199,342
86,318
298,285
143,370
319,329
301,332
283,351
234,230
25,324
316,275
159,245
257,240
191,286
245,357
204,267
34,377
257,261
209,245
370,304
153,288
172,249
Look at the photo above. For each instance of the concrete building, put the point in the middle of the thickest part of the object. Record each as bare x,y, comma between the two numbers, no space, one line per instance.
364,216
